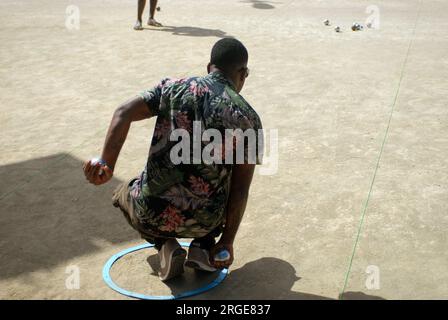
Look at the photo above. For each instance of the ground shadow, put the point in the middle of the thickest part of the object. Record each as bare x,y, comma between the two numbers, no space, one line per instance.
263,279
49,214
266,279
191,31
261,4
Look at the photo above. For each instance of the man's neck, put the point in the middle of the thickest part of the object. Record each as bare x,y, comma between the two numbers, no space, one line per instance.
215,69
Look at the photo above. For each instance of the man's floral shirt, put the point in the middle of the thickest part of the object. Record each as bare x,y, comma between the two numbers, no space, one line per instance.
188,200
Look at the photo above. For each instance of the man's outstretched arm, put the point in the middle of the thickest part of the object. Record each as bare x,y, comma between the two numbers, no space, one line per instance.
236,205
134,110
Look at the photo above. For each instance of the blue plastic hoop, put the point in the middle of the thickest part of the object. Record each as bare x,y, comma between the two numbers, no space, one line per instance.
107,278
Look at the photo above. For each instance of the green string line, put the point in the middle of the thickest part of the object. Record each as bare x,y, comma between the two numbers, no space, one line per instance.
380,155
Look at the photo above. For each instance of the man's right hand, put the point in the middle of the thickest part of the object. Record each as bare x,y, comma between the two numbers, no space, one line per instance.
97,174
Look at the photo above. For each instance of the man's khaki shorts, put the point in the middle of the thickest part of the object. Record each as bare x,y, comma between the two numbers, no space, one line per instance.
121,198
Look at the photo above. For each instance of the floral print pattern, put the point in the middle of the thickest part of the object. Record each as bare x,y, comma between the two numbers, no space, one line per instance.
188,200
171,219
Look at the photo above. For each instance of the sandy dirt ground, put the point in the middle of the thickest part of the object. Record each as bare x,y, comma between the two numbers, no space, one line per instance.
358,205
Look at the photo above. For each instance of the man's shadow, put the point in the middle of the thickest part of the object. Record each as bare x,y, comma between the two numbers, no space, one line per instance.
263,279
261,4
190,31
50,214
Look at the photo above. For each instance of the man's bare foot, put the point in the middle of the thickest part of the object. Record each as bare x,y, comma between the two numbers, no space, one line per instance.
154,23
138,25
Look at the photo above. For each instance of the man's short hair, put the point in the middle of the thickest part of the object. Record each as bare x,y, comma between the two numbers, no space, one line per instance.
229,54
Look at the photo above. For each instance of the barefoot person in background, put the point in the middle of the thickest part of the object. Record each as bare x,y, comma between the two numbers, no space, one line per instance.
152,10
193,198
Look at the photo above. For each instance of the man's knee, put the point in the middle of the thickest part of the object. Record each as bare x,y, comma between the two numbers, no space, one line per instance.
117,194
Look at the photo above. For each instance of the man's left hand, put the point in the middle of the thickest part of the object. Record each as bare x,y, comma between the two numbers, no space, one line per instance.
216,249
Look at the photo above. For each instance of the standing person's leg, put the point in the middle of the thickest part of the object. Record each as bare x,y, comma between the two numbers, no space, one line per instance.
152,12
140,8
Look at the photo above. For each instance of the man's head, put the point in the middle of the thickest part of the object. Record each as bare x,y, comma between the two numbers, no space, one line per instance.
230,56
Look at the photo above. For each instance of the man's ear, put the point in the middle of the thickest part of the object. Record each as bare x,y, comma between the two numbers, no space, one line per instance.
242,75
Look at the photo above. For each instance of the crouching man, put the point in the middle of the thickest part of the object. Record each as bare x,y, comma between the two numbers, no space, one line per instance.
181,193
